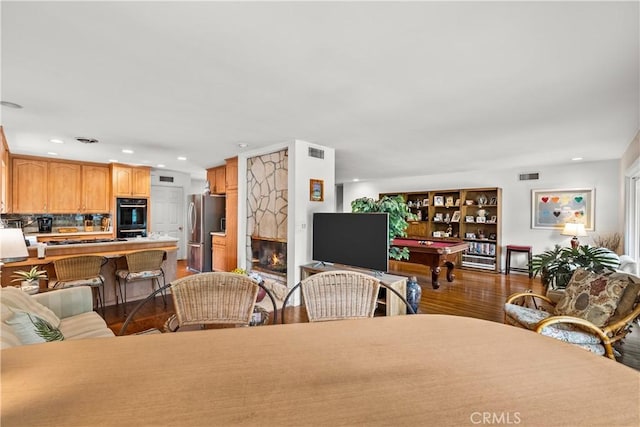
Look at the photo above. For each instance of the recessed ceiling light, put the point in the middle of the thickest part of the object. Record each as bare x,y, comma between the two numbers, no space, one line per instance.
10,104
356,179
51,153
127,151
182,158
161,166
575,159
243,145
56,141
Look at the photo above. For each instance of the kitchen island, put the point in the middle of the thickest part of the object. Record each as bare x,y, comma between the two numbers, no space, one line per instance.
113,251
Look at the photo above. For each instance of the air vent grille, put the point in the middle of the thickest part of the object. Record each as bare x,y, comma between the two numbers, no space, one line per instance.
166,178
316,152
529,176
86,140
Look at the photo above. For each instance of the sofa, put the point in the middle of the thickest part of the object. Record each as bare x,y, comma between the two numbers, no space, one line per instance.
65,314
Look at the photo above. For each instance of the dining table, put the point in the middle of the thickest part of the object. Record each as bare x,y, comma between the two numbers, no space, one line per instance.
434,370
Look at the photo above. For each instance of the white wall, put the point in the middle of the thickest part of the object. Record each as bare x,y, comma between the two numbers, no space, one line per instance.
516,196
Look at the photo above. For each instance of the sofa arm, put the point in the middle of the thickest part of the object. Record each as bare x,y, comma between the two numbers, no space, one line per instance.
67,302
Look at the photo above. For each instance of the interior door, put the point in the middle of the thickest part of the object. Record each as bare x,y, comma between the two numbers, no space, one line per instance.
167,214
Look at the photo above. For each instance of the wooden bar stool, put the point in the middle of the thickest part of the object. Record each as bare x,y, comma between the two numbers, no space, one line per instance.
521,249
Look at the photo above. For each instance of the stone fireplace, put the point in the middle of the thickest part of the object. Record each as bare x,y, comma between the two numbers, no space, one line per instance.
268,255
267,205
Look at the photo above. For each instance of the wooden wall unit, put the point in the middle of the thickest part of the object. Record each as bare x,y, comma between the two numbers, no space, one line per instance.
96,188
470,214
232,213
64,184
4,173
29,185
131,181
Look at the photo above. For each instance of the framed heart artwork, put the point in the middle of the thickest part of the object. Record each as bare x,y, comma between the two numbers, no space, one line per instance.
554,208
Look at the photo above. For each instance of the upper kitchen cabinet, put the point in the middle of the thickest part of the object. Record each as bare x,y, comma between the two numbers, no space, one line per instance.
131,181
29,185
64,184
95,188
232,173
217,180
4,173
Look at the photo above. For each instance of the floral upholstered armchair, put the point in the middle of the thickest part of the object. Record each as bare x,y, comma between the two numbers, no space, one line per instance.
596,310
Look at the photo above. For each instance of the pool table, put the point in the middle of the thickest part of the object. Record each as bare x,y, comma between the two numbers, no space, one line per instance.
434,254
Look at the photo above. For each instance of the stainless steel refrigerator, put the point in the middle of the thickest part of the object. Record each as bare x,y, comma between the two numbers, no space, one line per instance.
204,215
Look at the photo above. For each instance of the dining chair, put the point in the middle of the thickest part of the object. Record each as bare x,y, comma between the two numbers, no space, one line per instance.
339,295
215,298
81,270
141,265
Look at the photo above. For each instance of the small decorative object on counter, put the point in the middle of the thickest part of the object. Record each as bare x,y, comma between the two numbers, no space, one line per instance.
29,280
414,293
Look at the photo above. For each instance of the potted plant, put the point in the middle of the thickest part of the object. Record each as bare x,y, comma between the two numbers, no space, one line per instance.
556,266
399,214
29,280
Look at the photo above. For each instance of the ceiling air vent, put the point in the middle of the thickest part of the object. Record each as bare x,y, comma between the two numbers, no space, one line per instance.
86,140
316,152
528,176
165,178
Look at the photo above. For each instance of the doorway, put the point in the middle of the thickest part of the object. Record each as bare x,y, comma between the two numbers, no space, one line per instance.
167,209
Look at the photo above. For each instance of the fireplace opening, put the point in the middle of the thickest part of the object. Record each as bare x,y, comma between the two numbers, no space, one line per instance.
269,255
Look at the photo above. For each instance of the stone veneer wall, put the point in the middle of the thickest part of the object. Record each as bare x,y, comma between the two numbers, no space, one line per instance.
267,197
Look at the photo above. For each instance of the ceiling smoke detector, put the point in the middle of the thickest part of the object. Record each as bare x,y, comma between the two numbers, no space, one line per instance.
86,140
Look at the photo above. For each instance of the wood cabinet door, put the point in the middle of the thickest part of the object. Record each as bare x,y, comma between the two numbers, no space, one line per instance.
141,182
121,181
4,174
29,186
218,254
211,178
232,229
221,184
64,187
231,174
95,189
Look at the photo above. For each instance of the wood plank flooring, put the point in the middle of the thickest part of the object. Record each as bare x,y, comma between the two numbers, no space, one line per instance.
473,294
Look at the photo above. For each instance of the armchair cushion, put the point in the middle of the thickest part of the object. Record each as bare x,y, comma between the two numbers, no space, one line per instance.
629,299
591,296
17,299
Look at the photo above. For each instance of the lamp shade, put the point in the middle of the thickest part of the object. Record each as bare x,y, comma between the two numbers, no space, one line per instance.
574,229
12,245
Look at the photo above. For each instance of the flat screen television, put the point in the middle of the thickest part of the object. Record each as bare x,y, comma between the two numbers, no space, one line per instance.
355,239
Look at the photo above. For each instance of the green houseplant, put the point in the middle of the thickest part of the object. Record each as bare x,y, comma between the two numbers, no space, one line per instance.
29,280
399,214
556,266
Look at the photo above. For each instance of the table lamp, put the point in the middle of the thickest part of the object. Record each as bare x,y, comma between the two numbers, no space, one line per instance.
12,246
574,229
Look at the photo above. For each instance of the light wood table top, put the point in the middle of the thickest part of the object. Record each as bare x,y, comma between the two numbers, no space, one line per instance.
400,370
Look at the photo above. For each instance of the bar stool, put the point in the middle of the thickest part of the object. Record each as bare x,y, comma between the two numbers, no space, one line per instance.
141,265
519,249
81,270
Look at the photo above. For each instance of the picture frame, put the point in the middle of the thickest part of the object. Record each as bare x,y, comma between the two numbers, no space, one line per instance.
316,190
469,218
492,220
470,235
481,220
438,201
457,203
455,217
449,201
437,217
437,234
493,201
553,208
425,202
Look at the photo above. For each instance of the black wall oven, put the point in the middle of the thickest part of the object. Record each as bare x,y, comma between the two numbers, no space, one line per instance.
131,217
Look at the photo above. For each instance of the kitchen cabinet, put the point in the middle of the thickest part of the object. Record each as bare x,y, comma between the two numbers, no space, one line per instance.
231,214
217,180
4,173
131,181
219,253
29,185
95,188
231,175
64,187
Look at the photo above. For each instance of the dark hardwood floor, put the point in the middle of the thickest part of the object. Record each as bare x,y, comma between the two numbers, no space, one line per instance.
473,294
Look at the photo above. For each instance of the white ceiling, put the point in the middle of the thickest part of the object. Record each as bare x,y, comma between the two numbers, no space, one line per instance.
410,88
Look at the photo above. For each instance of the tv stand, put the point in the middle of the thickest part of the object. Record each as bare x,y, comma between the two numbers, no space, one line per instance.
394,306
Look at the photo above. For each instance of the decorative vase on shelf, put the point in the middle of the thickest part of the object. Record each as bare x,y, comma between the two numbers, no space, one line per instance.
482,200
414,293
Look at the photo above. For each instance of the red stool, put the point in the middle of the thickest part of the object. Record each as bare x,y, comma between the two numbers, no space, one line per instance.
522,249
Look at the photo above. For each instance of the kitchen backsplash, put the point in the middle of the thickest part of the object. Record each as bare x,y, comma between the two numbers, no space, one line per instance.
30,222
